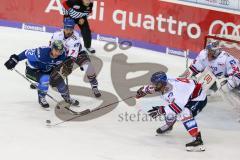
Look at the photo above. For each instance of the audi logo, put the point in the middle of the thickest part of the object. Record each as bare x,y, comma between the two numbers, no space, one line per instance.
224,29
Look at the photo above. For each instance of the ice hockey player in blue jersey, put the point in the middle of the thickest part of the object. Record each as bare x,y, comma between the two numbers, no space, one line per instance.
43,64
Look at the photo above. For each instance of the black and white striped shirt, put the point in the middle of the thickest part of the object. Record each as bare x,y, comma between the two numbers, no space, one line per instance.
75,9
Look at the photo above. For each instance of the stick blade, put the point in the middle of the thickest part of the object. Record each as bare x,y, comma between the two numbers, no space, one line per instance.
63,104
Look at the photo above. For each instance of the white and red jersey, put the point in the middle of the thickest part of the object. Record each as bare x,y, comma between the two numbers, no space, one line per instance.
224,65
179,92
71,44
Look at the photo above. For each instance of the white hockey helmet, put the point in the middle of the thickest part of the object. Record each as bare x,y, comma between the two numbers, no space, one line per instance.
214,48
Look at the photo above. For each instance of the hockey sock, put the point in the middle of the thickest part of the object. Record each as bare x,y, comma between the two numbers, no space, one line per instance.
191,126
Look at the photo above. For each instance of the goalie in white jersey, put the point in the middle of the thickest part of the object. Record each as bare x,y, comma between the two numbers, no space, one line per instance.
73,47
220,63
185,100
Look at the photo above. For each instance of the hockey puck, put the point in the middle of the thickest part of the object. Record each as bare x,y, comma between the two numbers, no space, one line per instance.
48,121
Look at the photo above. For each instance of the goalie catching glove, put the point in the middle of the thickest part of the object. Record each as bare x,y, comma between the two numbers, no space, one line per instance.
230,83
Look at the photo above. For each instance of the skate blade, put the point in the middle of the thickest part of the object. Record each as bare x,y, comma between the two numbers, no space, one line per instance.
200,148
46,109
164,133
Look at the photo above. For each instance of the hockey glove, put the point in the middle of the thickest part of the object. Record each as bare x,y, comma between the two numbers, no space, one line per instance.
67,67
55,78
82,58
12,62
140,93
156,111
230,83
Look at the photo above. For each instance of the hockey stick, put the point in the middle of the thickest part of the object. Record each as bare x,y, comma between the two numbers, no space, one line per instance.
88,111
51,97
68,108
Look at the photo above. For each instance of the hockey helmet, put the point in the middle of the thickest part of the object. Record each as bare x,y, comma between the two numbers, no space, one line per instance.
69,23
58,45
214,48
159,78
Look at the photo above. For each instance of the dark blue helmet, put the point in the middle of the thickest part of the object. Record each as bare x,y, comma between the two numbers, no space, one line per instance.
69,23
159,78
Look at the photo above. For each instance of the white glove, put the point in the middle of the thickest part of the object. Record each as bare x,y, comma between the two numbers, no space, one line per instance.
221,82
232,82
230,85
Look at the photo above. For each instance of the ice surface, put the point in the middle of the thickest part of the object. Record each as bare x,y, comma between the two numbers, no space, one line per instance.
24,135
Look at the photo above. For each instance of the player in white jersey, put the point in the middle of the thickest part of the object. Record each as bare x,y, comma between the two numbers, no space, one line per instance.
220,63
73,47
185,100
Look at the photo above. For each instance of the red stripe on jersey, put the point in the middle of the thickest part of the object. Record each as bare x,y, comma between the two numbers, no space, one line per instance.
175,108
65,5
197,91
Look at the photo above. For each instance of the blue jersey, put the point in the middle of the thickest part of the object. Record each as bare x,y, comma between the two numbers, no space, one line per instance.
40,58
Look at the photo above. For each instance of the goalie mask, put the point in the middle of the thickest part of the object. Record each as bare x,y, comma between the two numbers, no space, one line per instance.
214,49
